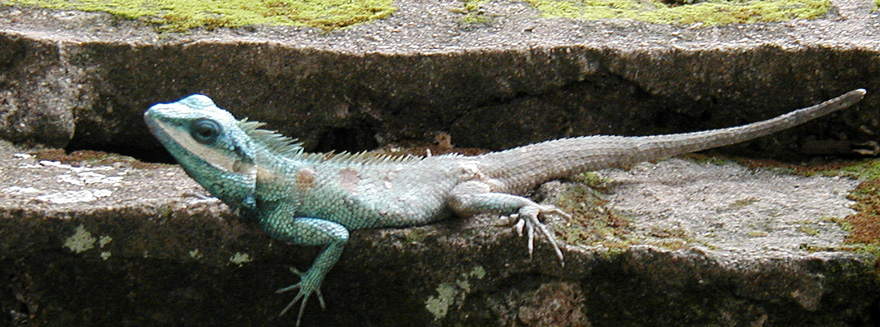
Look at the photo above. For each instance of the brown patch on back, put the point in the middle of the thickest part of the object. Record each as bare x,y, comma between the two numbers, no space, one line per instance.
266,176
349,179
305,179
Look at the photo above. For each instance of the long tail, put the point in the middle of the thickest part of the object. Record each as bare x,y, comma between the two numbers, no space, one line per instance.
522,168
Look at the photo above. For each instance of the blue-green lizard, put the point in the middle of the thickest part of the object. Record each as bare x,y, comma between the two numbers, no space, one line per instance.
316,199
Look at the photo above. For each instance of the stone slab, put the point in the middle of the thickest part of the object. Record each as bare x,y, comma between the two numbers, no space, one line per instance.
82,78
96,241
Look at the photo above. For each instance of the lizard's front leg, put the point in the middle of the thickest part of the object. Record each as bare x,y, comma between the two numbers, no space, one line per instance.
473,197
308,231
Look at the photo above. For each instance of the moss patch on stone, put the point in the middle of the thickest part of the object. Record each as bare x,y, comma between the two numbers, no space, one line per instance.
862,170
593,222
179,15
473,12
863,227
709,12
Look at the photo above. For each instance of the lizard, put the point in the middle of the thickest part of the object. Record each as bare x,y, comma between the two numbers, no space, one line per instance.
316,199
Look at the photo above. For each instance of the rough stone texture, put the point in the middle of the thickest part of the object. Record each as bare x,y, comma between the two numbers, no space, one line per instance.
774,213
121,242
83,78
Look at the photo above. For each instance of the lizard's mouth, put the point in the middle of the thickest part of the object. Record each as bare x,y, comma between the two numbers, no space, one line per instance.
151,123
159,132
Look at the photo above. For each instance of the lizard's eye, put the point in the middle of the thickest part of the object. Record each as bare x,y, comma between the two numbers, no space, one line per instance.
204,131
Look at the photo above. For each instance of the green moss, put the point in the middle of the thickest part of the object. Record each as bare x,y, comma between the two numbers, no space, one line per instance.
863,227
80,241
593,222
710,12
416,235
614,250
871,249
846,226
593,180
448,293
439,305
742,203
475,18
865,224
473,12
671,243
240,259
864,170
808,230
181,15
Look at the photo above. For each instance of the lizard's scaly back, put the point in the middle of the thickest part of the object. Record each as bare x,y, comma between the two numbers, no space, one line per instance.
284,146
272,140
522,168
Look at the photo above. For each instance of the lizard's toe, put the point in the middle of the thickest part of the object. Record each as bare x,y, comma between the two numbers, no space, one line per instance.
529,216
305,290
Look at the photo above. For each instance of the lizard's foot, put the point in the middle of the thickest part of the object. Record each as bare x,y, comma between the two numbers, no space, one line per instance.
528,218
473,197
305,290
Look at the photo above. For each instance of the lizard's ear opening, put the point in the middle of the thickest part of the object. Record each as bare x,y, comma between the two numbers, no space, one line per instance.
248,172
246,168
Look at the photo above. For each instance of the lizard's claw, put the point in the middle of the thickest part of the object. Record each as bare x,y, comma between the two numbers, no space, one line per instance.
303,294
518,226
529,218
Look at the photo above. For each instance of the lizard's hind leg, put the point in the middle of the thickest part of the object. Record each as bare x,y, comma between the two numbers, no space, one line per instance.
470,198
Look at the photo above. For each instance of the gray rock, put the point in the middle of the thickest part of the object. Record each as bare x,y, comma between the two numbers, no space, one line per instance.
84,78
98,240
125,243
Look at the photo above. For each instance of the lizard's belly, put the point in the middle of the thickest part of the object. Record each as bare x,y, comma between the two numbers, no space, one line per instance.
356,211
380,202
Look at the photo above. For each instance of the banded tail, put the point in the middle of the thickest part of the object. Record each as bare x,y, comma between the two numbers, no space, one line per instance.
522,168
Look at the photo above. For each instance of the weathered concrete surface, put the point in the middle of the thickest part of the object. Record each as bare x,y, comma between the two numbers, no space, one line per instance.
120,243
83,78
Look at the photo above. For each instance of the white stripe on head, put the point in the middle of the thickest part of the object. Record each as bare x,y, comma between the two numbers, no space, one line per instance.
212,156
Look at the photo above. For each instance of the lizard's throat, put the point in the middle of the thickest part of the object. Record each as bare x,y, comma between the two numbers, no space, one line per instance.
236,190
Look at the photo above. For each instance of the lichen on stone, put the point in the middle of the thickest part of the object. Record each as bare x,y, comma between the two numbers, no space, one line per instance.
179,15
81,240
708,12
448,292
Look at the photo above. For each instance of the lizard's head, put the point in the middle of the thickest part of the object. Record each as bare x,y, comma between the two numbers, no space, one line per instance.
210,145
